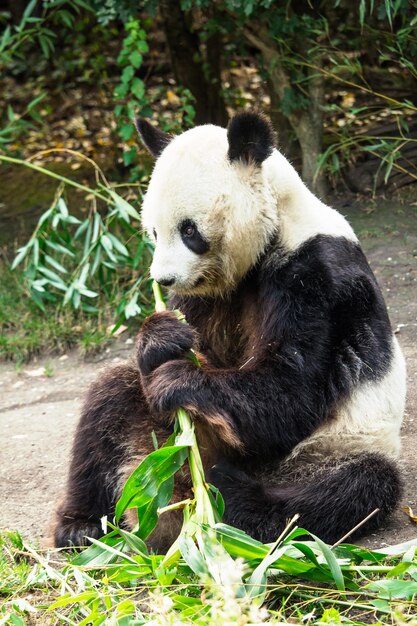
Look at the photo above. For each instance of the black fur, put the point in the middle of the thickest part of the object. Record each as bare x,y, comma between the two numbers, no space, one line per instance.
331,501
294,340
321,328
251,138
163,338
154,139
195,241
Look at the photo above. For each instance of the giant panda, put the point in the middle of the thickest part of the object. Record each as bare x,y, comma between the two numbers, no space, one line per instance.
299,401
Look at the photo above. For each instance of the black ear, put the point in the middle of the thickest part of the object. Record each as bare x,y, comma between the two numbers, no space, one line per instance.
154,139
251,138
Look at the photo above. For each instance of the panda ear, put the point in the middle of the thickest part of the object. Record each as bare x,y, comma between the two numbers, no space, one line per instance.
251,138
155,140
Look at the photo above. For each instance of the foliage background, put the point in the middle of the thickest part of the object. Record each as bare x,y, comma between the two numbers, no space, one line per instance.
337,78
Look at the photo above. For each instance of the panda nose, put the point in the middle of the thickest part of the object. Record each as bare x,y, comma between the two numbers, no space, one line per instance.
166,282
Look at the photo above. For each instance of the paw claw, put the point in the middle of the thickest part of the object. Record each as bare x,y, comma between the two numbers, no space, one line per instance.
75,534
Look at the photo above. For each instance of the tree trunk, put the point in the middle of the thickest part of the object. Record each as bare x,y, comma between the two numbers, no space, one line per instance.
187,64
310,135
306,123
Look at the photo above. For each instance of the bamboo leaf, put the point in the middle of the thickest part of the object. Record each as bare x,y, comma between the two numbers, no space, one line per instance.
239,544
144,483
191,555
55,264
122,204
332,563
22,252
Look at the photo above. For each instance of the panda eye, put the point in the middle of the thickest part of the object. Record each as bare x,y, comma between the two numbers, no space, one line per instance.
154,234
189,231
192,238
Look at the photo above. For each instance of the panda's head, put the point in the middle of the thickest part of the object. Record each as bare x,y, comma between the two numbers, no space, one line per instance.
208,207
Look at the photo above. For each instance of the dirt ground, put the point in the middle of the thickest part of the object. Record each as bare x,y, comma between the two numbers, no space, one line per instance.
40,405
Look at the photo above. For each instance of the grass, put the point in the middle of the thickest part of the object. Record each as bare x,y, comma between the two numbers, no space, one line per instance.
26,331
306,584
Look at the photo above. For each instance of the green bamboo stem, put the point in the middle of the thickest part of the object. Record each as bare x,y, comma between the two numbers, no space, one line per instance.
63,179
204,513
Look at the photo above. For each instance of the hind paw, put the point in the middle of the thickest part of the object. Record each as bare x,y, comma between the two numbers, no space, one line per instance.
74,533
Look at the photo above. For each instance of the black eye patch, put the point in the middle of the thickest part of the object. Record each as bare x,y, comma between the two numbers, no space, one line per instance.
192,238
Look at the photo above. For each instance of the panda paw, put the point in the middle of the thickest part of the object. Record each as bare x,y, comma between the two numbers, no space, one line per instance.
173,385
74,533
163,337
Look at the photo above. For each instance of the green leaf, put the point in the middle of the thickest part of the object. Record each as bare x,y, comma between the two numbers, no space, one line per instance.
221,566
35,244
21,253
394,589
55,264
62,207
97,224
192,556
138,88
118,245
142,46
144,483
136,59
54,278
17,620
239,544
88,293
36,101
132,308
120,91
108,247
133,541
5,38
258,579
29,9
332,563
106,242
96,262
59,247
148,514
96,555
81,229
217,501
362,9
71,219
123,205
127,74
126,131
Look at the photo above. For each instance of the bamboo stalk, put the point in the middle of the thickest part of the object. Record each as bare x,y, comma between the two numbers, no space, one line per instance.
204,513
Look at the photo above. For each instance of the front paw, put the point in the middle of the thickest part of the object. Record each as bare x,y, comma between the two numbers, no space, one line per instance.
163,337
173,385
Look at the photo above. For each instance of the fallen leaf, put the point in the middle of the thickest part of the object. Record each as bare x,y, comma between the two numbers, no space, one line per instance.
40,371
117,332
410,513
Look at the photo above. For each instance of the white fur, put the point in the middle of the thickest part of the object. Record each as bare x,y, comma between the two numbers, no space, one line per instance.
368,421
235,206
231,206
301,214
